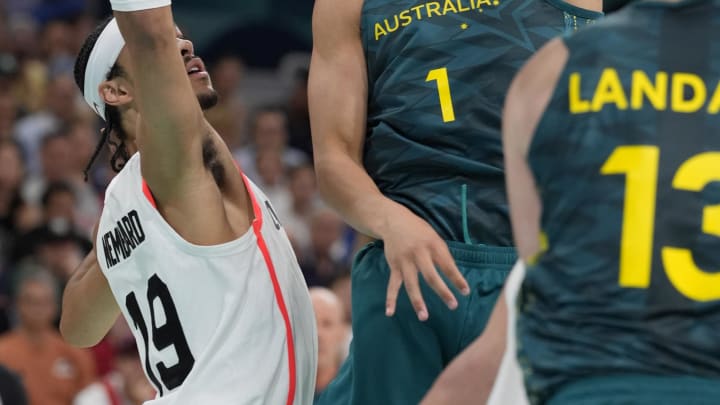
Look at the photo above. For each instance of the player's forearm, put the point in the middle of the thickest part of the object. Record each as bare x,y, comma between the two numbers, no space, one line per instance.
347,187
466,381
172,119
88,308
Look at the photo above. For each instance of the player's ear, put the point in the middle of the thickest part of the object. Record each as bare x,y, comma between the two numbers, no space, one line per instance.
115,92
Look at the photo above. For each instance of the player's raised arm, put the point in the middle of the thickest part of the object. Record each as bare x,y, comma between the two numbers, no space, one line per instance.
171,124
338,92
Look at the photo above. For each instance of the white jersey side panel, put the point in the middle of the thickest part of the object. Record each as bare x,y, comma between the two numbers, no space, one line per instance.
224,324
509,387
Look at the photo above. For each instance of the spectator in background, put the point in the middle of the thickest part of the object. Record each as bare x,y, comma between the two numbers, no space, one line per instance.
61,250
56,243
82,139
342,288
333,333
9,110
304,201
272,179
60,112
53,371
299,115
12,391
228,116
269,133
322,262
125,385
8,114
55,165
59,47
11,175
58,202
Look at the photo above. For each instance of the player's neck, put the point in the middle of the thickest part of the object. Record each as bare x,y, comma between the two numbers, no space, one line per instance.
33,335
593,5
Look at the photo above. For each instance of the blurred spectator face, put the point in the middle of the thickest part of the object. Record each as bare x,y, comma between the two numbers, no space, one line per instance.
24,35
270,131
227,75
61,96
26,218
11,166
82,144
61,257
81,29
56,157
58,39
36,305
8,114
325,230
332,330
60,204
270,167
302,186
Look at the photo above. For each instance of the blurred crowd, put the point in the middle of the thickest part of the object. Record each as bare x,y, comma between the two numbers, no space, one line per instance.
49,203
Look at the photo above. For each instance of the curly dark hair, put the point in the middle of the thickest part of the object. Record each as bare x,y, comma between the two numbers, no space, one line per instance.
112,114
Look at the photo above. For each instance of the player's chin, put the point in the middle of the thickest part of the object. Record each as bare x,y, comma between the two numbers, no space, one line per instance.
207,97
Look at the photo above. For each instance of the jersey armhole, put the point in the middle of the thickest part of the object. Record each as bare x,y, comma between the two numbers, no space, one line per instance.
575,10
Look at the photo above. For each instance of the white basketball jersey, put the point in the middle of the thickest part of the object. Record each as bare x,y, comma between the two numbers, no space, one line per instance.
509,387
214,325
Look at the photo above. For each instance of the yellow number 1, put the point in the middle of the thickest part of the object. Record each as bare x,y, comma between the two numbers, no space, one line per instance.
640,166
443,84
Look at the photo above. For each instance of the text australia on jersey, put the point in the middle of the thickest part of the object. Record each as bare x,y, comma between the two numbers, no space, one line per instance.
427,11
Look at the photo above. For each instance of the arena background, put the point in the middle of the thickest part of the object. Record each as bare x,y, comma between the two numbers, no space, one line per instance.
257,52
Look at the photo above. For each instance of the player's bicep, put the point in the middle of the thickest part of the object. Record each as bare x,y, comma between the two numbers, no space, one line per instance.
171,119
337,87
525,105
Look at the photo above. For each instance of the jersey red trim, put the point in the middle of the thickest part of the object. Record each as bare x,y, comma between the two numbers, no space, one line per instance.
110,391
257,228
148,194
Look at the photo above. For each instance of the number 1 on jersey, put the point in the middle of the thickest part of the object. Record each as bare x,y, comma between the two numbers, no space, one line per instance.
440,76
640,165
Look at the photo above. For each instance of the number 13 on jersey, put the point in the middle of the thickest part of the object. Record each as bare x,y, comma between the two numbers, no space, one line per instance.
640,165
440,76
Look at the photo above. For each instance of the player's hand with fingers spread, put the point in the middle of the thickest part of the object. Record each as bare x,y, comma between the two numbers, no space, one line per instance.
411,247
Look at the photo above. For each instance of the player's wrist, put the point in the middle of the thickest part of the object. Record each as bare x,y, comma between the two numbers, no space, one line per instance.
137,5
388,213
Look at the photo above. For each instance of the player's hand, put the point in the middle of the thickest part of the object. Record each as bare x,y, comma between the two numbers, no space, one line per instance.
412,247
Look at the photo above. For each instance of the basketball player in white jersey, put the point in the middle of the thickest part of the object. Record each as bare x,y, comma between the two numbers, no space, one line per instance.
187,248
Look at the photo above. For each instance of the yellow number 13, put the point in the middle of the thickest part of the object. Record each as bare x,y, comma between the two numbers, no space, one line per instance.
640,165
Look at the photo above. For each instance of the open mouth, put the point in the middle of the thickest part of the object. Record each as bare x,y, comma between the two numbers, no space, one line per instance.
195,67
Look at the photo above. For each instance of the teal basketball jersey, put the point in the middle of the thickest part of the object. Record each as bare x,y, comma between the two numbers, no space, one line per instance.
627,163
438,72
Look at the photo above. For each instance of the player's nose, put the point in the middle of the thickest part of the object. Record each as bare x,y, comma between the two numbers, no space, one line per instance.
186,47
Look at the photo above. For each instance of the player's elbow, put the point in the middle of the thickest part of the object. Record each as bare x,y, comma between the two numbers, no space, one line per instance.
74,327
75,334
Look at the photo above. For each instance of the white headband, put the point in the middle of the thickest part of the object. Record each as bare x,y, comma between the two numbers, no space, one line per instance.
102,58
